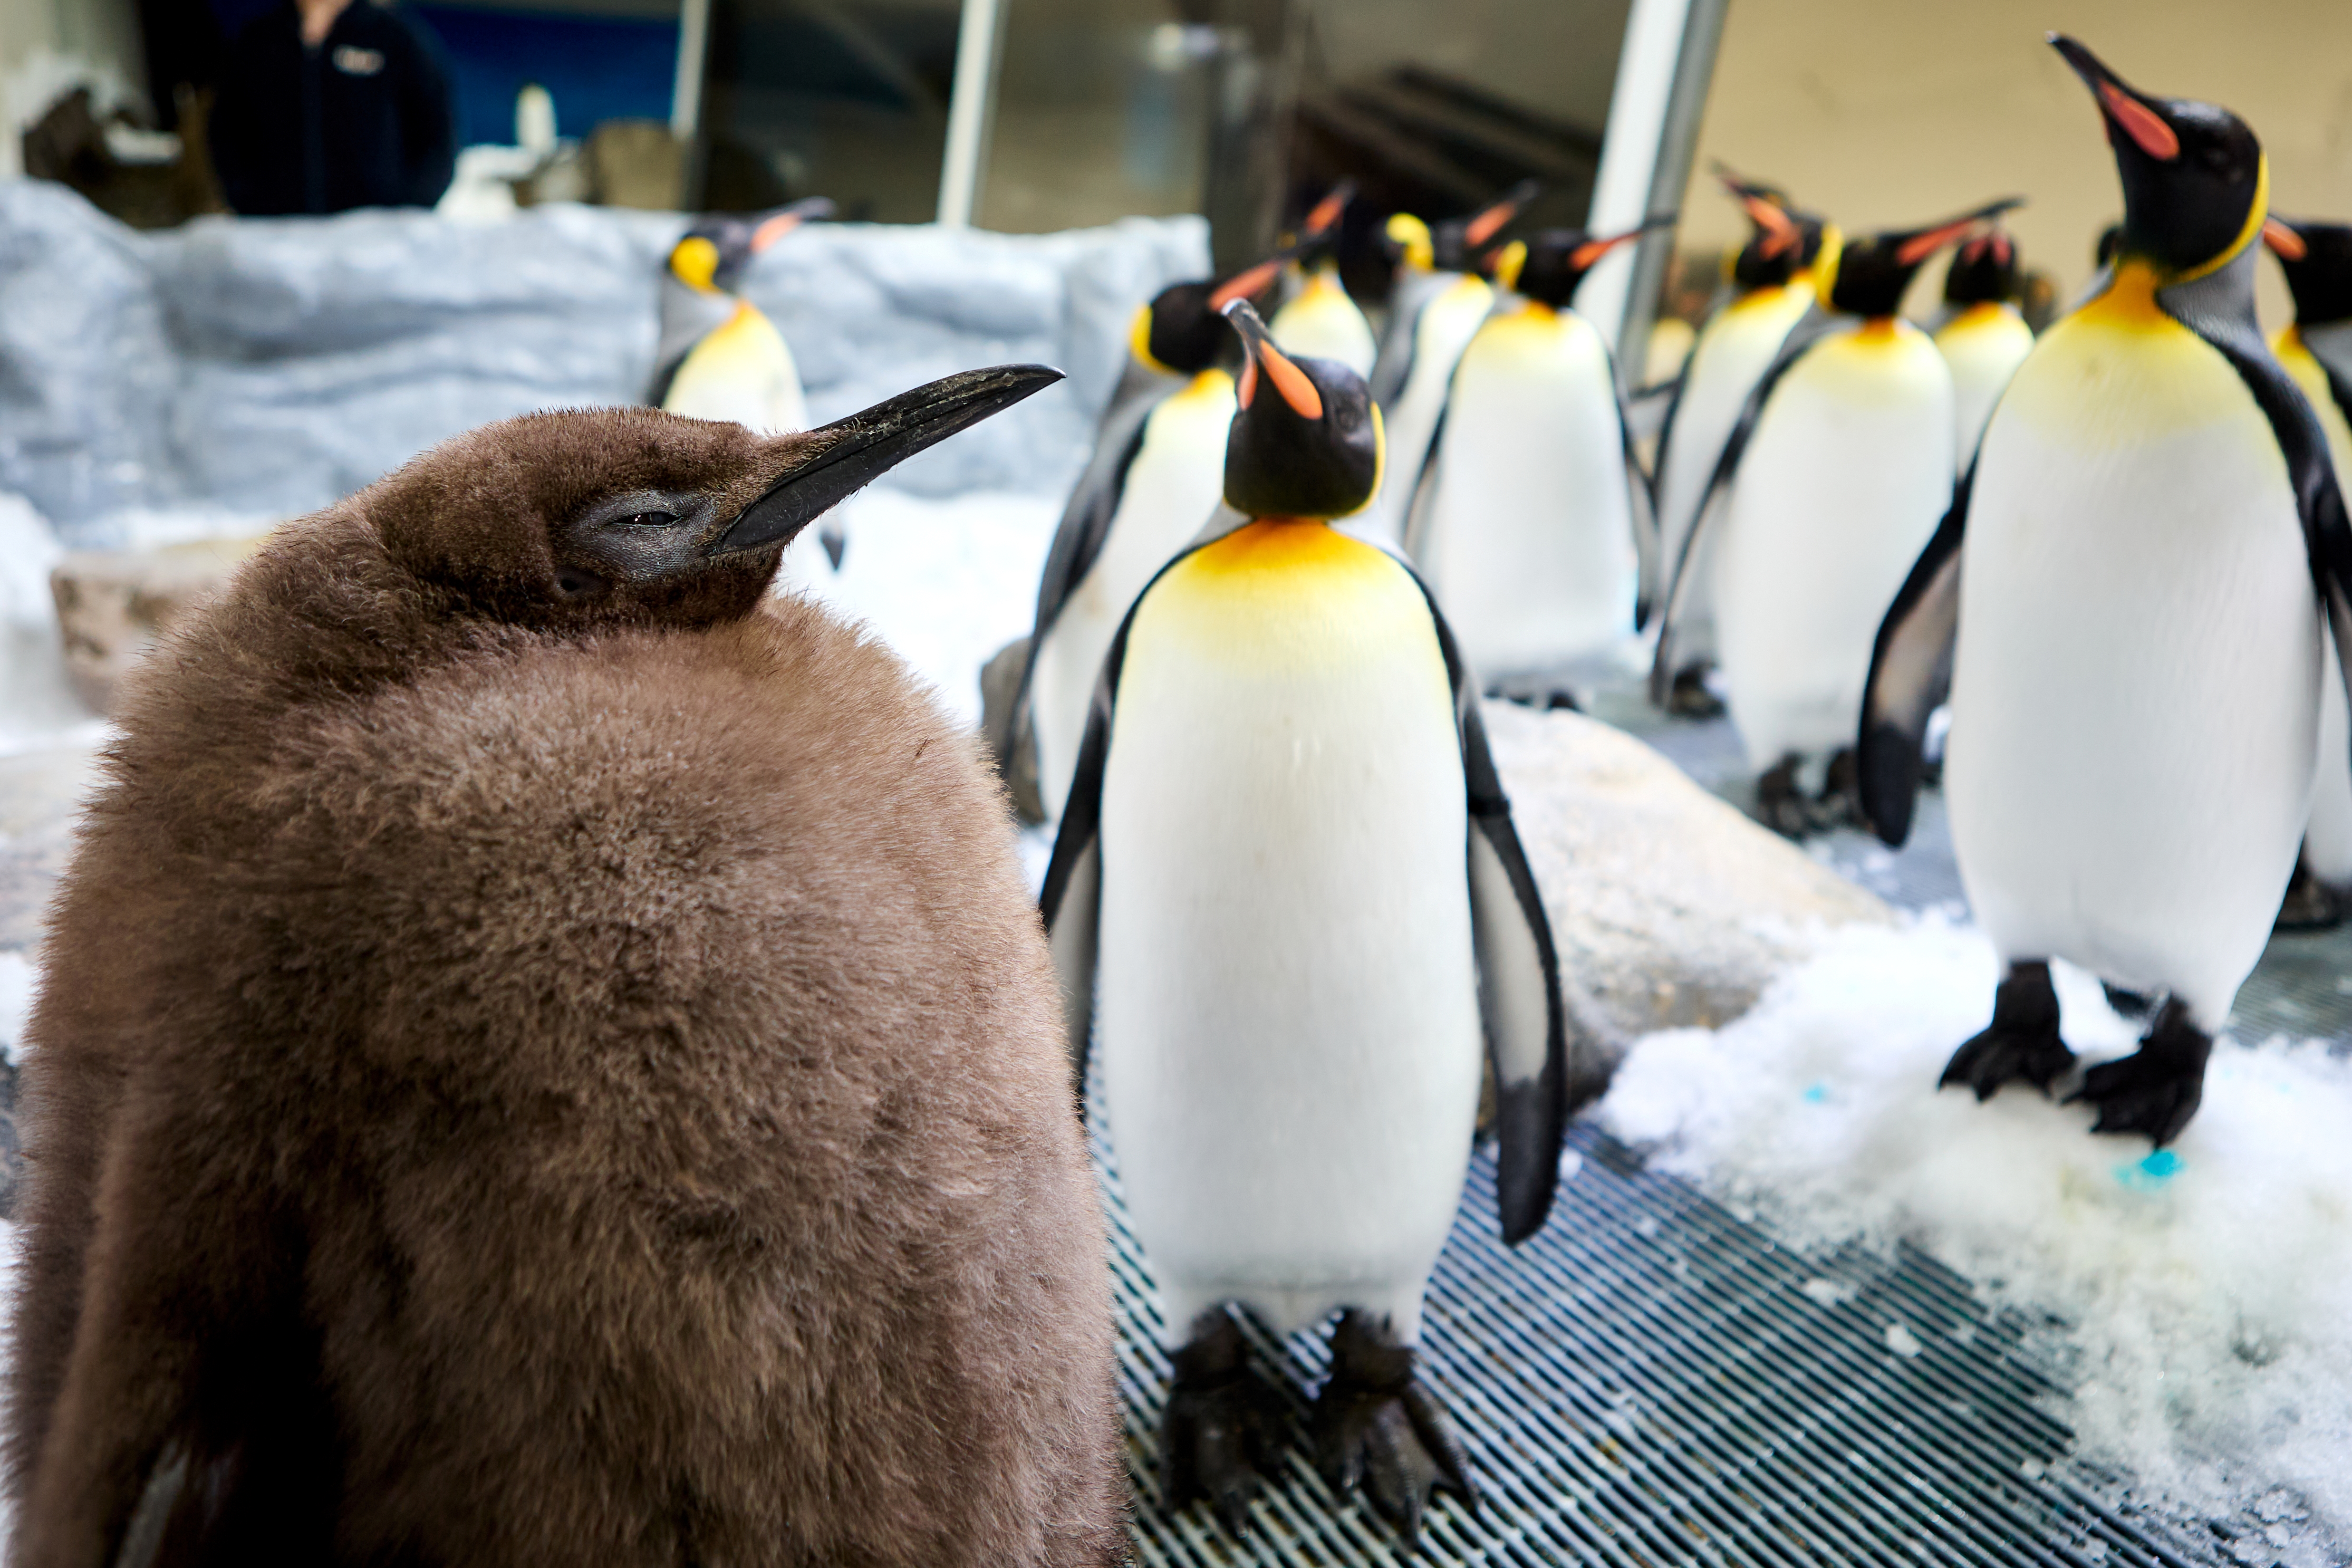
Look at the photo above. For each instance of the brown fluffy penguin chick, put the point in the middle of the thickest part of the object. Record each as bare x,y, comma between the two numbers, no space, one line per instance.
544,1058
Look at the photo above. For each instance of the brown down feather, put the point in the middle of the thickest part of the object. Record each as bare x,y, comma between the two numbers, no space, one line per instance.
588,1079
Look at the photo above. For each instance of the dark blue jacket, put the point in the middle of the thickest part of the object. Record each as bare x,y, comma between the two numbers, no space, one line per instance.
361,120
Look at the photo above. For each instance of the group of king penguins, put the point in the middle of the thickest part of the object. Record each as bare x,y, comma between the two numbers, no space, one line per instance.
1303,553
544,1053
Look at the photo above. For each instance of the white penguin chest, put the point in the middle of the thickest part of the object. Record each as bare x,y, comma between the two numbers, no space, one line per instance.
2134,696
1170,491
1529,541
1734,351
1848,471
1286,996
1441,330
1983,345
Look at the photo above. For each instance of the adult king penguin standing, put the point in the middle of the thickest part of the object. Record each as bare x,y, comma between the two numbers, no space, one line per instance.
2126,599
1287,885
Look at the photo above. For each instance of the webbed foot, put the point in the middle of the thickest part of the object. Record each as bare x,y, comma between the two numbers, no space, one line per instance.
1377,1430
1689,698
1781,804
2157,1088
1839,804
2020,1045
1222,1427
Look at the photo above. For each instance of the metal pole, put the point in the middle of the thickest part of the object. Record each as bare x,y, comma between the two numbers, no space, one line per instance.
975,72
693,51
1638,109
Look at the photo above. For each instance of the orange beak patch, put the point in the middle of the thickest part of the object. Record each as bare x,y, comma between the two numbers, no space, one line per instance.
774,229
1926,245
1327,210
1780,228
1482,227
2283,240
1289,381
2139,123
1592,250
1245,285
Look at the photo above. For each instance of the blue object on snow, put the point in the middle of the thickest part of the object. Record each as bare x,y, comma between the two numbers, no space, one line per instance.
1816,1093
2148,1175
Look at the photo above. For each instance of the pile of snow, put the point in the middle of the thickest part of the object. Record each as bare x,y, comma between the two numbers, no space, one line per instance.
2207,1287
944,584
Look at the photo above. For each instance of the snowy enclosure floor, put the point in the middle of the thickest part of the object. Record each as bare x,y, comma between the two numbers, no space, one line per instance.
1793,1306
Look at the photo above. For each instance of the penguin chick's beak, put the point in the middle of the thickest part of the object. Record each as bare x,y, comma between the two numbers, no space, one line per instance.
777,224
863,447
1288,380
2281,236
2125,108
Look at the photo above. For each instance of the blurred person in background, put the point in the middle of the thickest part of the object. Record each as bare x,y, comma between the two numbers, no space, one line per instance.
326,105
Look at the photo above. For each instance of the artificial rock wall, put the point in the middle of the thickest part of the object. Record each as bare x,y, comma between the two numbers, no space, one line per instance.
268,367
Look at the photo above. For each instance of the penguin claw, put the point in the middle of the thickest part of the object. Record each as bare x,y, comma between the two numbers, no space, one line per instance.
1689,698
1222,1430
1377,1432
2157,1088
1999,1056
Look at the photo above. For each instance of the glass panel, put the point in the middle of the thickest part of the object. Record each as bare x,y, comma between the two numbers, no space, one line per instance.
847,99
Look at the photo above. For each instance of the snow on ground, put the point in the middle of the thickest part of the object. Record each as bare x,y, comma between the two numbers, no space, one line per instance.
2208,1286
945,583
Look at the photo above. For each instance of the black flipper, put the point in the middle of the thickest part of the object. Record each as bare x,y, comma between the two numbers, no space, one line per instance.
1910,675
1392,368
1802,339
1648,548
1519,991
2219,308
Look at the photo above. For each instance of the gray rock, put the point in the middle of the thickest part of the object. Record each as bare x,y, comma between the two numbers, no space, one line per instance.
1671,908
271,366
111,604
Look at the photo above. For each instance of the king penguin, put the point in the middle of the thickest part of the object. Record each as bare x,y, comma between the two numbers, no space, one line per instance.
1289,908
1155,482
1319,321
2316,349
544,1058
1983,335
1533,527
1834,476
719,357
2126,599
1440,300
1774,280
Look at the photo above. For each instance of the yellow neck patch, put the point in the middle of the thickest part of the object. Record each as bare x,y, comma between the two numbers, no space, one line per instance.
694,262
2128,302
1139,340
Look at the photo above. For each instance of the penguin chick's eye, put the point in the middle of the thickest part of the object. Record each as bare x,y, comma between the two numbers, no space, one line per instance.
649,521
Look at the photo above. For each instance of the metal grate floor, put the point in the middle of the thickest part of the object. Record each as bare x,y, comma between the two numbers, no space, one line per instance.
1654,1380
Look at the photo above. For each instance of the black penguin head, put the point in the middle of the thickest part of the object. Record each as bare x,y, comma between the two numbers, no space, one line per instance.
2195,182
1547,267
2317,260
1872,274
1983,270
1783,241
618,515
1305,442
1454,244
711,255
1182,332
1318,235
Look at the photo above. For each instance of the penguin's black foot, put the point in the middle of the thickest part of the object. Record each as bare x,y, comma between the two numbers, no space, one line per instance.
2022,1045
1377,1430
2157,1088
2130,1003
1223,1424
2310,903
1780,805
1689,698
1841,799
